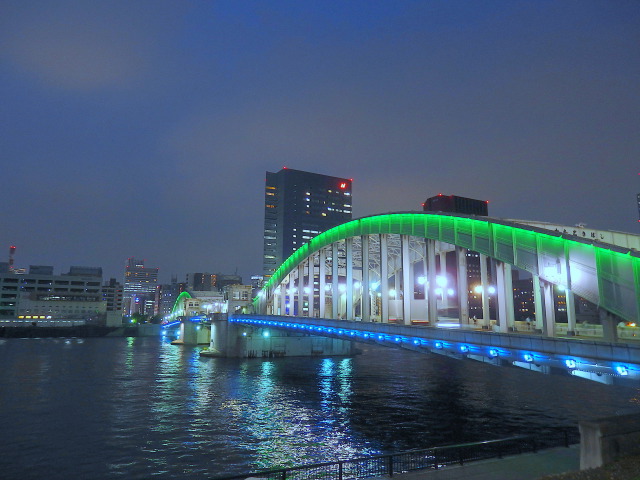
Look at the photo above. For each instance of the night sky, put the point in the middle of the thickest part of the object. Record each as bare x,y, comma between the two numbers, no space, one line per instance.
144,128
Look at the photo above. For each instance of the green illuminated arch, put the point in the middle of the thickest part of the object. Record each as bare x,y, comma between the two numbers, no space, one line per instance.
617,268
178,300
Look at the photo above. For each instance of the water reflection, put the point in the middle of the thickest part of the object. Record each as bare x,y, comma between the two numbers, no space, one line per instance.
137,408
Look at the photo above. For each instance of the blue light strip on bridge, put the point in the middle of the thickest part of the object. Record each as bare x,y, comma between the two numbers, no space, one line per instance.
565,362
172,324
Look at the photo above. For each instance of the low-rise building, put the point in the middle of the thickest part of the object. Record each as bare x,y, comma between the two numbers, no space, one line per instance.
39,296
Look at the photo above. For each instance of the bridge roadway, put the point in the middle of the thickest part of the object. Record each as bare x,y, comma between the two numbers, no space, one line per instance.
600,361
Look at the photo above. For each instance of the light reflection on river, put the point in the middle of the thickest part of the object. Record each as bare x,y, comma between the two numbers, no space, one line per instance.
112,408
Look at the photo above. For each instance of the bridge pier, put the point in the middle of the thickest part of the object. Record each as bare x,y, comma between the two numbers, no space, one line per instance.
506,320
549,310
609,325
463,288
484,281
431,282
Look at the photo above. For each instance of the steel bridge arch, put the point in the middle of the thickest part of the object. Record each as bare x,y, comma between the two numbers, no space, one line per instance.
604,274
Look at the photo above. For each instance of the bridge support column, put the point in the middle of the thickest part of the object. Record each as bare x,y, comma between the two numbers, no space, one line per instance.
571,312
549,310
335,292
463,288
570,299
484,280
322,281
300,291
384,278
283,296
348,315
432,307
609,326
505,297
365,302
537,304
310,285
443,273
407,280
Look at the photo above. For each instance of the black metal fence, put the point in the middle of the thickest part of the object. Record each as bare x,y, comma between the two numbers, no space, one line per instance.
428,458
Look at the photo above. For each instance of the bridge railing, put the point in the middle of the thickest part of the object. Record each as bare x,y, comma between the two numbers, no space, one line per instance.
429,458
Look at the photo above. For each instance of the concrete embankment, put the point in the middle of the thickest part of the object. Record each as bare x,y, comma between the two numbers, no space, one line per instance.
80,331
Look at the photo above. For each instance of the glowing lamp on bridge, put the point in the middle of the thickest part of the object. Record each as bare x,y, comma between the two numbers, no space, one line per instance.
342,287
622,370
306,290
570,363
491,290
422,280
356,285
528,357
392,293
450,292
441,281
493,352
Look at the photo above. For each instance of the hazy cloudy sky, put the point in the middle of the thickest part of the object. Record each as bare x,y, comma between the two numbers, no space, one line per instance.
144,128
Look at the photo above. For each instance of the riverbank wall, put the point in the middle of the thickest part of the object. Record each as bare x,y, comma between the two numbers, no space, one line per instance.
80,331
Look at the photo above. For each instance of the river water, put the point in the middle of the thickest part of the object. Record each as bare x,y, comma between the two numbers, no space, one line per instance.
139,408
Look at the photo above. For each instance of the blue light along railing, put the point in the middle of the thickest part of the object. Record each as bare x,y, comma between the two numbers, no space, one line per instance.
570,363
395,339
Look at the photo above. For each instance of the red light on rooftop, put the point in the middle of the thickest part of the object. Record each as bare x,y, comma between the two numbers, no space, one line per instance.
343,185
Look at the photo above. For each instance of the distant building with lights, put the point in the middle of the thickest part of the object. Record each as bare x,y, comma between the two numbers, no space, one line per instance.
139,287
456,204
298,206
42,298
112,295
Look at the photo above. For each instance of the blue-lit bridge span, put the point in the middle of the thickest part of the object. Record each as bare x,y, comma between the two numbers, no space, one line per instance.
599,361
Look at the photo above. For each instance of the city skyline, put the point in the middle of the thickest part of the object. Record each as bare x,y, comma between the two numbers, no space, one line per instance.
144,130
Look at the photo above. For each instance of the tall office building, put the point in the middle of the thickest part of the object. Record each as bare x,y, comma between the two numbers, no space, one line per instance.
298,206
139,287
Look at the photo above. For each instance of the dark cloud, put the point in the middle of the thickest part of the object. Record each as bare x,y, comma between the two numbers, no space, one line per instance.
145,128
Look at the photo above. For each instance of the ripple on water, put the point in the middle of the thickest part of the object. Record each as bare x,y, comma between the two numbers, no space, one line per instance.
140,408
